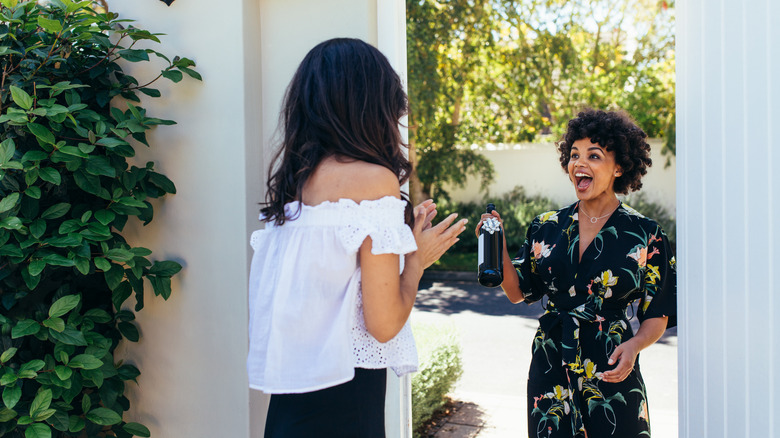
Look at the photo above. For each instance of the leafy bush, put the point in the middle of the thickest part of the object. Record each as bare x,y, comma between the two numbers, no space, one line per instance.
440,368
66,191
518,210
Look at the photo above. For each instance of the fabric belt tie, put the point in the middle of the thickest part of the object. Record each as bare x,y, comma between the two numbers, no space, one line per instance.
569,320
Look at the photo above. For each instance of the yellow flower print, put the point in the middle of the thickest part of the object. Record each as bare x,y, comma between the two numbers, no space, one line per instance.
653,274
549,216
590,370
561,393
646,303
607,279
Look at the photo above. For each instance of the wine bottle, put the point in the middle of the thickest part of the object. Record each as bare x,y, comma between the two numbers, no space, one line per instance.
490,253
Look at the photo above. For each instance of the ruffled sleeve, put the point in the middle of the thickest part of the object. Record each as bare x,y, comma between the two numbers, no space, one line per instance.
660,280
525,265
383,220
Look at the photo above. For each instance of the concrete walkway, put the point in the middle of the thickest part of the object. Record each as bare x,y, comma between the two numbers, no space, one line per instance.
496,340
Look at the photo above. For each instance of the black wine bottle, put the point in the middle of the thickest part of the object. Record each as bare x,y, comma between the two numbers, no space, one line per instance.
490,253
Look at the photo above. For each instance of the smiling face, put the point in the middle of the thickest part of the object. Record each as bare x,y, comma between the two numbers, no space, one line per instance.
593,170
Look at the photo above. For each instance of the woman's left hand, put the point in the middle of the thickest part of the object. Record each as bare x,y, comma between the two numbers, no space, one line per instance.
625,355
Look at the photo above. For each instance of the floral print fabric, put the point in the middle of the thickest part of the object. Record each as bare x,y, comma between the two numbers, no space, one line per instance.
630,259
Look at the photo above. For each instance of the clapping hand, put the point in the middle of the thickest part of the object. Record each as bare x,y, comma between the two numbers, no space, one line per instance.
434,240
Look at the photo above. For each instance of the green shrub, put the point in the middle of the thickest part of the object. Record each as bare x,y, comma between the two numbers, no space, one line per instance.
67,189
517,210
440,368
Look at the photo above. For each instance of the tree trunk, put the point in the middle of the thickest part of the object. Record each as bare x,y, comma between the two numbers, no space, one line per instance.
416,193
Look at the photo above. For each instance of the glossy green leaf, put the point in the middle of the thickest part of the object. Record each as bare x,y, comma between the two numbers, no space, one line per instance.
11,395
8,378
38,430
43,133
36,267
9,202
56,324
69,336
7,414
161,286
56,211
103,417
64,305
41,402
21,98
25,327
8,354
133,55
129,331
76,424
137,429
105,216
173,75
33,192
85,361
102,264
11,223
63,372
49,25
50,174
165,268
34,365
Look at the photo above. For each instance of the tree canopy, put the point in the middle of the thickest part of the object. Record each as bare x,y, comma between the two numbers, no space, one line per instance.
503,71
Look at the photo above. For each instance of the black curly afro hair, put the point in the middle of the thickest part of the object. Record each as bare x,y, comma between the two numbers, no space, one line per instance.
617,132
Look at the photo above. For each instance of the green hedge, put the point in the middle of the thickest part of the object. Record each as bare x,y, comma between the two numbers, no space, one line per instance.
440,368
518,210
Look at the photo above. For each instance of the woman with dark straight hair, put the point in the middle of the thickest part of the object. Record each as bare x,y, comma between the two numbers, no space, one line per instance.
336,270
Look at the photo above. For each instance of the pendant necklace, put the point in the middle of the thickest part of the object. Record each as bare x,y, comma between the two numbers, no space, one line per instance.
593,220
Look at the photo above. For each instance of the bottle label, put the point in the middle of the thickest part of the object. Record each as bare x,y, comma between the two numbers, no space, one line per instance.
481,250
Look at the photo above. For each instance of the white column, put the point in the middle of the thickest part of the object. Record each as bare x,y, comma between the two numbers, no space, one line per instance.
391,40
728,104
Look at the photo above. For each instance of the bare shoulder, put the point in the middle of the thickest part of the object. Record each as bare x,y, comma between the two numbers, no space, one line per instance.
356,180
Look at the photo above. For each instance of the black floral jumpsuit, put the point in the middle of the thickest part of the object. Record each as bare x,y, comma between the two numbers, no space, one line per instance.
586,318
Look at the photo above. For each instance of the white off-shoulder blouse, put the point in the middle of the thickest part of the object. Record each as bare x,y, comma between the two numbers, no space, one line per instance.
306,326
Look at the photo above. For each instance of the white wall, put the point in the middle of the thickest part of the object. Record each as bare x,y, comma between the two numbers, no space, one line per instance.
728,104
193,347
535,167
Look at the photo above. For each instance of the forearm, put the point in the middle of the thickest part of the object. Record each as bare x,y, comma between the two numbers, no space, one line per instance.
410,284
388,298
649,332
511,283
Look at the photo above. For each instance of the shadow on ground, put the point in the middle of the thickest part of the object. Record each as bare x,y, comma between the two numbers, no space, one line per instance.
463,419
451,297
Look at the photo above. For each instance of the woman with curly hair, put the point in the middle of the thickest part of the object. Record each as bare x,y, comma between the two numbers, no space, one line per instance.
592,260
336,270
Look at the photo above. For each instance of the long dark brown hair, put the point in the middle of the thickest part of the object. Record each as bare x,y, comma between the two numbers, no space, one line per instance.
345,100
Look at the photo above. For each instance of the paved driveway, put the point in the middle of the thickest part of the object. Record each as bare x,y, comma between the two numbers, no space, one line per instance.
496,340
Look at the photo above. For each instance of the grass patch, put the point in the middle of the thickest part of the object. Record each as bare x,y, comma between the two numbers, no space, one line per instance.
453,261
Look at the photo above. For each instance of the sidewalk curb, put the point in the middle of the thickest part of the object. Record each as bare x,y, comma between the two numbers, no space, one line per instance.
429,275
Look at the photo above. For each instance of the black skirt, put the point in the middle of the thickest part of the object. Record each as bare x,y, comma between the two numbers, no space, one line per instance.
355,409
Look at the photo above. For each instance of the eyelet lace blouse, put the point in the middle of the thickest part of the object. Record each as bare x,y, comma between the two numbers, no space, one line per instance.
306,326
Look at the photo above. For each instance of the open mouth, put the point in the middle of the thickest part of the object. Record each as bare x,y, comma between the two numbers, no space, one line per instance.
582,180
